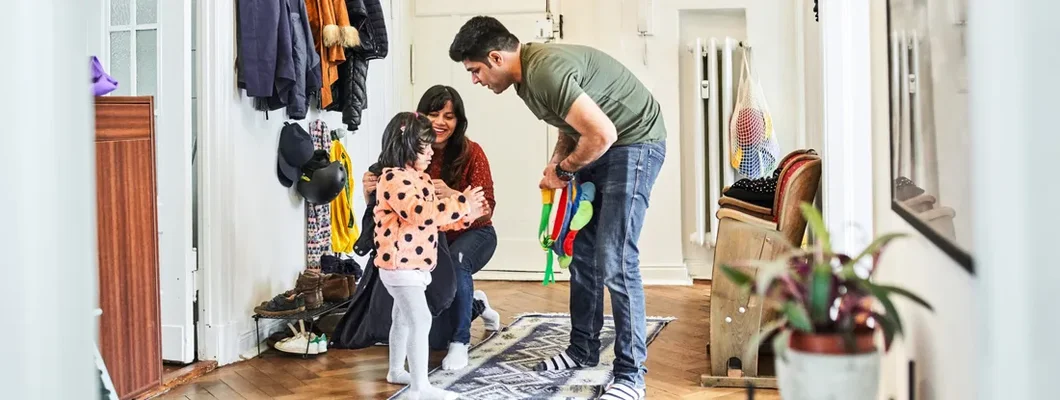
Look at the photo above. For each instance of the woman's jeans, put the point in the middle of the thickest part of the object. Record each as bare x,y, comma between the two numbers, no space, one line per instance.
470,252
606,255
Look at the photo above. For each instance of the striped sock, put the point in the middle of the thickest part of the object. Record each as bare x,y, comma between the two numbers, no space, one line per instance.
620,391
558,362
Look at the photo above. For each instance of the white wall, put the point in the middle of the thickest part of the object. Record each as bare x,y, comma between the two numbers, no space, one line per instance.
1017,354
49,281
611,26
255,246
770,29
941,343
813,91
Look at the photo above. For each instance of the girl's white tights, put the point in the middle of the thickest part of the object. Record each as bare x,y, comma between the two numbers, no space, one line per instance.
408,339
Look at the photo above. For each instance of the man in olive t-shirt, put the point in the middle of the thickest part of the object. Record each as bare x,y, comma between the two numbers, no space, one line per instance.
613,136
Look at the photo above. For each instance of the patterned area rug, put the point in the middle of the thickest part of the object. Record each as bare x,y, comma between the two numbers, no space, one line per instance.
502,366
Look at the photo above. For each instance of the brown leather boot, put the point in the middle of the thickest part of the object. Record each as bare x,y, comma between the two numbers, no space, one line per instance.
352,281
310,283
336,288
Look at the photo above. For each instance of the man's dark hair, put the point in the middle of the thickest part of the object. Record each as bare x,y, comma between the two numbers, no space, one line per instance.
478,37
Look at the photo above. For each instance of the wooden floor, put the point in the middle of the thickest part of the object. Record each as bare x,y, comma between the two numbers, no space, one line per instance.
675,359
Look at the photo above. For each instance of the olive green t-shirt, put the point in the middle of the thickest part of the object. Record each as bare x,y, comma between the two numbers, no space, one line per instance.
554,75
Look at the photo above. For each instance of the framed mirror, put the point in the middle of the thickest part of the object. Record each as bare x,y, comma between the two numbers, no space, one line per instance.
930,152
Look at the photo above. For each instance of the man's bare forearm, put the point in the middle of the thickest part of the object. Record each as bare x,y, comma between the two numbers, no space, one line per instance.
565,145
589,148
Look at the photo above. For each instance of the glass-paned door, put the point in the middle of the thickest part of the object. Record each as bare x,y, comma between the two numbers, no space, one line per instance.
148,50
133,46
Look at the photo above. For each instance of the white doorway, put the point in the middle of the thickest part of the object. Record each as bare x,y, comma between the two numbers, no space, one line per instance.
147,48
517,143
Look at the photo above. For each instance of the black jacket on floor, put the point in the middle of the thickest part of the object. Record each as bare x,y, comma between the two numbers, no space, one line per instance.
367,321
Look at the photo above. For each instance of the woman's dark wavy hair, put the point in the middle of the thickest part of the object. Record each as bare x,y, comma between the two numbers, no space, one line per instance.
404,138
455,155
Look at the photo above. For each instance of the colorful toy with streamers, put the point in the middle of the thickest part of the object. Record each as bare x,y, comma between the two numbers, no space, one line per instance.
574,212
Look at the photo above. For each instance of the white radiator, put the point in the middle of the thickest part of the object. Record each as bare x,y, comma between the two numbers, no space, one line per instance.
716,60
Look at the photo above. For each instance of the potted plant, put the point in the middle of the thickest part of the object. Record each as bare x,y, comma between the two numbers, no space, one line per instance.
828,313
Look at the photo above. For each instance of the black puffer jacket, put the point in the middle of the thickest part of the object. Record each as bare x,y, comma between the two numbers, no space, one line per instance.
350,92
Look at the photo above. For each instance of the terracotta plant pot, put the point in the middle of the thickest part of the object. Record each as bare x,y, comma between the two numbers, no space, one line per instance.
831,343
819,367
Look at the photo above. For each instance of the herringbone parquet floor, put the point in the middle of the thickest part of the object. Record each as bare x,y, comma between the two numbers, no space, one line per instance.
675,359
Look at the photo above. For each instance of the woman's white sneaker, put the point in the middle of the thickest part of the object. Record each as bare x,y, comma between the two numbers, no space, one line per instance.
490,317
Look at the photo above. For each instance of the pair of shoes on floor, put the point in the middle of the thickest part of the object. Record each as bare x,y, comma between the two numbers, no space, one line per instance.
307,294
302,342
282,305
340,277
331,264
310,286
338,287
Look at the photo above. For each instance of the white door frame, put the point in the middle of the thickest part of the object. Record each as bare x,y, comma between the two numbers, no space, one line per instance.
176,259
176,256
216,152
847,154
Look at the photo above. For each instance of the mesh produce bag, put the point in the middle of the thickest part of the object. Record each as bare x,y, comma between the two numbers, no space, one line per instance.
753,150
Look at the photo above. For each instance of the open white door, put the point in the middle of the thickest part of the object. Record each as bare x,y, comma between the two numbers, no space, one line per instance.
174,163
148,50
515,141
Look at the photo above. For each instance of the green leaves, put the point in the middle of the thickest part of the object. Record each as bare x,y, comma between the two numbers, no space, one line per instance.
820,292
816,223
780,344
909,295
736,276
768,273
891,322
797,316
756,340
873,248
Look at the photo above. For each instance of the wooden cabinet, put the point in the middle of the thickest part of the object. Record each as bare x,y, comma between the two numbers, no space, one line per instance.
130,332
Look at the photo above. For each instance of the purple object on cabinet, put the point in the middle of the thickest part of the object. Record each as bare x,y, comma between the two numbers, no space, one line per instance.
102,83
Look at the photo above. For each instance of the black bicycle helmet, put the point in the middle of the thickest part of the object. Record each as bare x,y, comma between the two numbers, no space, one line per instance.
322,185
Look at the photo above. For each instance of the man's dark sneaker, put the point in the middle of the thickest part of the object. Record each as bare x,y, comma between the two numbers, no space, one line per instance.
281,305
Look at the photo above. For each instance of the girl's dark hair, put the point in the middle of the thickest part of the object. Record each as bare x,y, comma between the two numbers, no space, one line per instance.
455,155
405,137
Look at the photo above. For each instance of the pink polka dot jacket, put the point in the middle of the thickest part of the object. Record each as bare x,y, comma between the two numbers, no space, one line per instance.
408,218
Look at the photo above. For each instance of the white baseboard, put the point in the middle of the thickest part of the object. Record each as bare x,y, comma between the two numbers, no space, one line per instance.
234,344
700,269
655,275
248,341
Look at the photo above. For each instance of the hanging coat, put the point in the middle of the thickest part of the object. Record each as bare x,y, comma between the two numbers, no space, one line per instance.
332,33
277,62
350,92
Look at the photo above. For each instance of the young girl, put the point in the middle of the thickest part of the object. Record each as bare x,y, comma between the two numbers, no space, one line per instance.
408,219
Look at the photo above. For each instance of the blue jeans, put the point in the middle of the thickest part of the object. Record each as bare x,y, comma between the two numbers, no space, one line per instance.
470,252
606,254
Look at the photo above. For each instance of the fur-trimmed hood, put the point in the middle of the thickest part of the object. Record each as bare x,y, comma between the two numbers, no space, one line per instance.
330,23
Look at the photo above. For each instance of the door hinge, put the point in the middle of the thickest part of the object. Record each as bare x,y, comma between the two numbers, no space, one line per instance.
704,89
195,309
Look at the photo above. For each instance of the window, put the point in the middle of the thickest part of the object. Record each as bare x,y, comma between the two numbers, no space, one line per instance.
132,44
